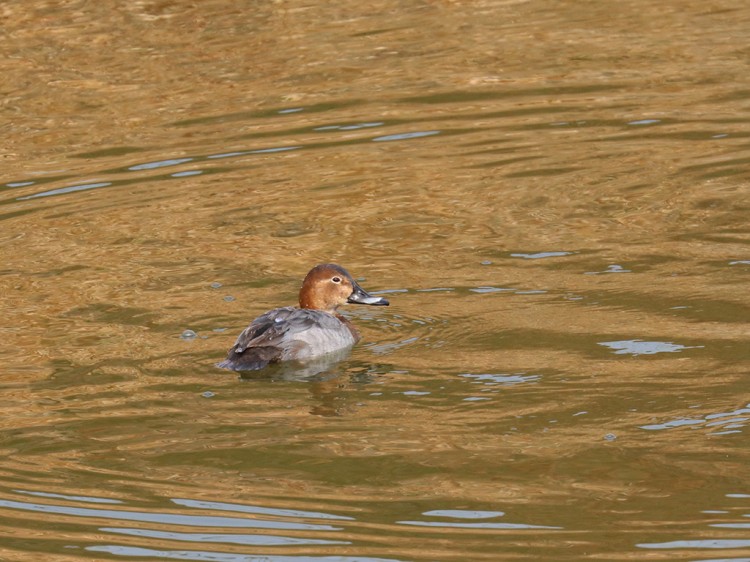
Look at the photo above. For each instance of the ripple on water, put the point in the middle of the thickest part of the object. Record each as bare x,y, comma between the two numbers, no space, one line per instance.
543,212
278,533
719,423
456,519
640,347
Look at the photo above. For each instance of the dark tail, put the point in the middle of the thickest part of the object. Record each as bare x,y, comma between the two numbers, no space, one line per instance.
251,359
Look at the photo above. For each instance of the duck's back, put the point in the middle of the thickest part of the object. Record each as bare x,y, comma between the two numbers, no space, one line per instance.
288,333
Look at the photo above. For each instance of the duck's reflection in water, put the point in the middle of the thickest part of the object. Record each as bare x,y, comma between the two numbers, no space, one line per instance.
330,379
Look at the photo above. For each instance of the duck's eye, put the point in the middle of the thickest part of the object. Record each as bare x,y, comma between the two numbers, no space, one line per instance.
336,279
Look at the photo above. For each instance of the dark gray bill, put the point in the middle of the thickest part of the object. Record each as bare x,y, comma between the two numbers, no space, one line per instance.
360,296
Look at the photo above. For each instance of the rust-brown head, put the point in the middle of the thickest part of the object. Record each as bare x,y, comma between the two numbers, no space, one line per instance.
328,286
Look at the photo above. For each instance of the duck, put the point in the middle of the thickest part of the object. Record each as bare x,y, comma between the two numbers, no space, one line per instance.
309,331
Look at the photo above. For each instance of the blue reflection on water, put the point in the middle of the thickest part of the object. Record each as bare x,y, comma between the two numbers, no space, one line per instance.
199,504
226,556
169,518
227,538
160,164
640,347
405,136
730,422
70,189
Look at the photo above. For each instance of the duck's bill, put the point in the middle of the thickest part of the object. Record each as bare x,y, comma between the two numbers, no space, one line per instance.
360,296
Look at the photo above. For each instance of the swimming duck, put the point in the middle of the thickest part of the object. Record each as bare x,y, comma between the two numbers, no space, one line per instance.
312,330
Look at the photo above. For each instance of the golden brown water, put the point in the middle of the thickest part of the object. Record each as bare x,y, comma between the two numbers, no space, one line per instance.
554,196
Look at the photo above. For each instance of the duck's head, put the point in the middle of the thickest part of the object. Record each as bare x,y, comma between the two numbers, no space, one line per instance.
328,286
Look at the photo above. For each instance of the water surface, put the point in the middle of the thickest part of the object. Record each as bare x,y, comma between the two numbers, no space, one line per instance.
554,198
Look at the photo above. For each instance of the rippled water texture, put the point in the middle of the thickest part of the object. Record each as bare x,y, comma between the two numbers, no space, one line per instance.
552,195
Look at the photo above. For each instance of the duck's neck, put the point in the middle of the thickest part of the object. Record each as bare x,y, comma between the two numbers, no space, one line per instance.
349,325
311,303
